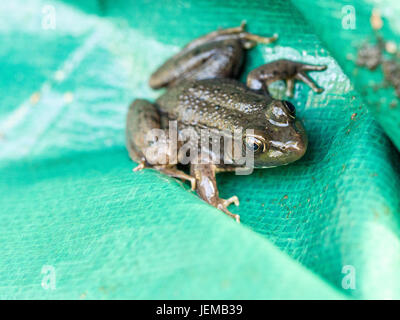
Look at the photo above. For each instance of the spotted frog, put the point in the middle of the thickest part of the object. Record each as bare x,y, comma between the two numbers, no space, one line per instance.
202,93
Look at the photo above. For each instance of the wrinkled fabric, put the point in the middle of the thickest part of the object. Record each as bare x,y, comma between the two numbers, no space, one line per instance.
77,223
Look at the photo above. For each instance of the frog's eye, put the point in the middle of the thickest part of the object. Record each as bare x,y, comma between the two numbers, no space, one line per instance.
291,108
253,144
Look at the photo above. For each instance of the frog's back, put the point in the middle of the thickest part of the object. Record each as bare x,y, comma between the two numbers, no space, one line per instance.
215,103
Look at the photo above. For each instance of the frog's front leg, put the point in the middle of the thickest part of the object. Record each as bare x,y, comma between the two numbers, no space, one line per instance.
206,187
287,70
142,118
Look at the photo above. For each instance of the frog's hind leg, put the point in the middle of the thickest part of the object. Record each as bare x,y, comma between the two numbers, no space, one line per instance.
221,59
235,33
218,54
287,70
143,117
206,188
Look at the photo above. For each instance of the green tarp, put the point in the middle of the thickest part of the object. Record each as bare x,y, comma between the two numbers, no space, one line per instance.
77,223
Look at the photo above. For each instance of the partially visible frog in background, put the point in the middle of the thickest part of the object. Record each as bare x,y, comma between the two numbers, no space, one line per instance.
202,93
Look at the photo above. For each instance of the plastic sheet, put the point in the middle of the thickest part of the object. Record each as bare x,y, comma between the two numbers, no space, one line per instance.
78,223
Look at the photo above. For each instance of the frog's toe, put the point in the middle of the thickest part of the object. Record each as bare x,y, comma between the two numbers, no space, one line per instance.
312,67
140,166
224,203
192,183
302,76
226,211
174,172
231,200
240,28
289,87
251,40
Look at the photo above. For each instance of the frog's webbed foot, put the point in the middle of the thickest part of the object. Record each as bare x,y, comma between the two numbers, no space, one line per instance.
250,40
224,203
286,70
303,76
206,188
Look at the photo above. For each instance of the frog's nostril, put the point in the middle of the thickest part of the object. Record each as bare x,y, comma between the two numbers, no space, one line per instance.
295,151
293,146
300,148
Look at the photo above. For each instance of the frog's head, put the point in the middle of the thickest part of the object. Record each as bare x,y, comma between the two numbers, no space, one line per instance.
282,140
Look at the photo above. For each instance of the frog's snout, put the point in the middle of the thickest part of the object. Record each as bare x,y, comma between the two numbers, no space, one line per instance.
294,146
297,147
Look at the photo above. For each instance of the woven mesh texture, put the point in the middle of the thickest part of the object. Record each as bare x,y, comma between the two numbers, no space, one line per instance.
71,204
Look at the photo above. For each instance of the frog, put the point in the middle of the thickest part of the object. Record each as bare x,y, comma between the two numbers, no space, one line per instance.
202,91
